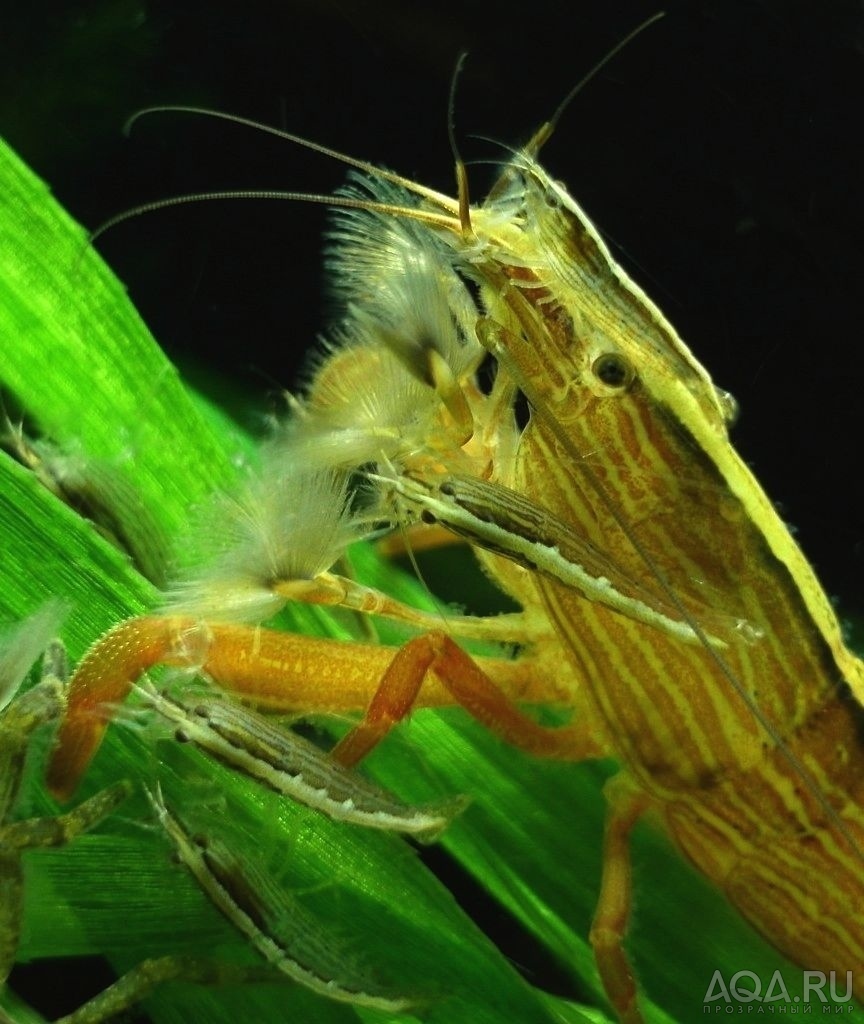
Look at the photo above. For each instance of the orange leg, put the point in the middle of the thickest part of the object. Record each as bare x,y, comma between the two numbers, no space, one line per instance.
612,914
288,672
471,688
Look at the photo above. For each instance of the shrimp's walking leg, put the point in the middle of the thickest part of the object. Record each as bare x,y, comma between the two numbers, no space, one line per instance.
612,913
472,689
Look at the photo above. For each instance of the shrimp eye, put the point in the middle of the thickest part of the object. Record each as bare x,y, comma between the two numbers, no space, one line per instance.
613,370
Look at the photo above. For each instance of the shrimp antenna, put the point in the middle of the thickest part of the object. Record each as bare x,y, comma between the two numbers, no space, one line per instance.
440,220
448,214
459,163
541,136
445,202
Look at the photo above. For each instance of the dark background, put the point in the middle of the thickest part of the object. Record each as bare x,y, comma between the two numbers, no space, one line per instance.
720,153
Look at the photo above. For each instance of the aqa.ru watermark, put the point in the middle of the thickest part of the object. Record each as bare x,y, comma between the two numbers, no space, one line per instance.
745,992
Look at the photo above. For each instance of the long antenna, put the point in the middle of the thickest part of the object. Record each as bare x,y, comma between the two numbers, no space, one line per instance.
541,136
458,162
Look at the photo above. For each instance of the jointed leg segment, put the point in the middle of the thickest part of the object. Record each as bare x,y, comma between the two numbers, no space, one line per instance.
288,672
470,687
612,914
